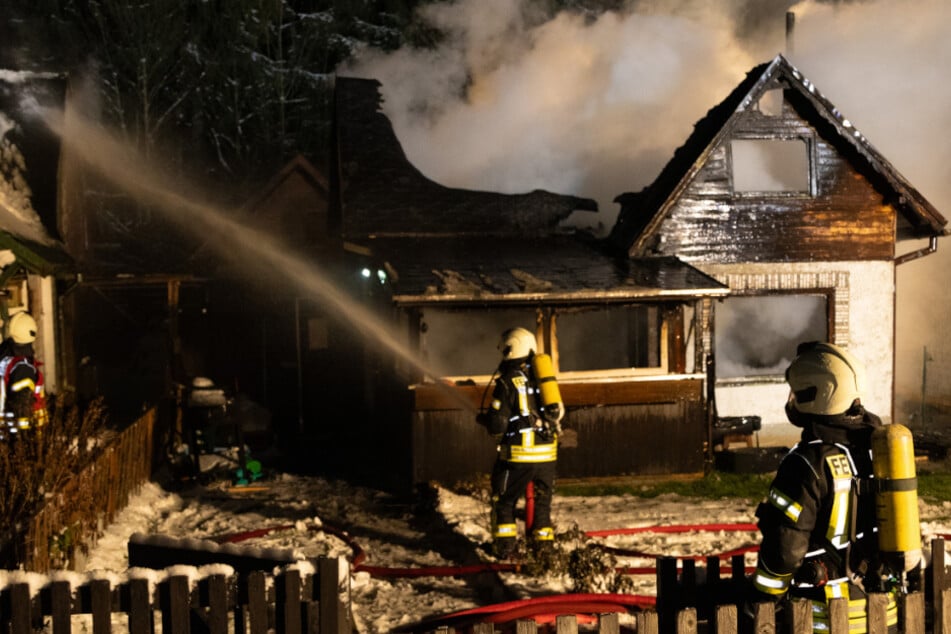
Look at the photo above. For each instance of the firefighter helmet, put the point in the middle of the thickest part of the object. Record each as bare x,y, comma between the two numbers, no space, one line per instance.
22,328
516,343
824,379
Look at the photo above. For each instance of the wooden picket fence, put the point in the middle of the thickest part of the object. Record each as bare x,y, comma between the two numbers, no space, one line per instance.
105,486
183,603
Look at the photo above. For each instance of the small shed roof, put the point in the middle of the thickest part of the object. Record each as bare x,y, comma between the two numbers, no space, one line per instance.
512,270
642,212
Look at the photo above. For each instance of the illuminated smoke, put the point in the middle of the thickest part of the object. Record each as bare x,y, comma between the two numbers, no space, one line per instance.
596,106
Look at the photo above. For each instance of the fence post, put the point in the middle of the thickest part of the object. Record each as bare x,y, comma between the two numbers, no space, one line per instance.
526,626
839,615
334,614
60,606
257,603
647,623
687,621
216,588
726,619
288,602
764,617
608,623
876,613
911,610
566,624
800,616
100,604
175,602
139,607
939,582
18,596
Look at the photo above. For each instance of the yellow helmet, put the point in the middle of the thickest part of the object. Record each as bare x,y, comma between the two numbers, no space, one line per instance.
22,328
824,379
516,343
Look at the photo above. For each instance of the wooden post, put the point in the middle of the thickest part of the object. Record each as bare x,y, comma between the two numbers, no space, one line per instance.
911,612
175,602
526,626
566,624
100,604
800,617
607,624
217,588
726,619
938,582
257,603
18,594
334,614
764,617
647,623
876,613
288,602
139,606
687,621
483,628
839,615
61,607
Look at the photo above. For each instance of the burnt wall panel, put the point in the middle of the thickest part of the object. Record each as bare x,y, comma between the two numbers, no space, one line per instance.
635,427
846,219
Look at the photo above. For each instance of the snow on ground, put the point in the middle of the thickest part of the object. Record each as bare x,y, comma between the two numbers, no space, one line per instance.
398,534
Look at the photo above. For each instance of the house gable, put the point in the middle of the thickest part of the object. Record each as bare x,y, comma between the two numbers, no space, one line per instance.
715,201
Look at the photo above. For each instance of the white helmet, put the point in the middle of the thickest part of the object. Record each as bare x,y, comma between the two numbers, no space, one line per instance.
22,328
516,343
824,379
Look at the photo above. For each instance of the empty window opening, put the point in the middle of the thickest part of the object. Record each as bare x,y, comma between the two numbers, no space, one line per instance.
756,336
770,165
465,343
610,337
771,103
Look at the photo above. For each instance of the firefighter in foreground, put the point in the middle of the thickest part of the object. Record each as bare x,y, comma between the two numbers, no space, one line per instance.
22,397
526,413
841,515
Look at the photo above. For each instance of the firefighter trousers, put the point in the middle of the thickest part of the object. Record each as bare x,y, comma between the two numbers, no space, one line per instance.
509,481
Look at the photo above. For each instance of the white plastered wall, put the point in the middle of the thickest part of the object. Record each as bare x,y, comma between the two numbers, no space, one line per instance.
864,305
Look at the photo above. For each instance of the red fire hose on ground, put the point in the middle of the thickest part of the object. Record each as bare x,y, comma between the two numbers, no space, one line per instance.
542,610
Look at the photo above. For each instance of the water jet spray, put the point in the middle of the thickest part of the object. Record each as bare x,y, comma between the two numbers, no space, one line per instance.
135,175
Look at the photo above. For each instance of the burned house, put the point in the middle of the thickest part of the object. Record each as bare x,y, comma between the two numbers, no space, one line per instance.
456,267
780,198
33,260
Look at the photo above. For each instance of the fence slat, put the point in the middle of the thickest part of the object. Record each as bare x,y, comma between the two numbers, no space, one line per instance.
839,616
647,622
687,621
800,617
912,612
288,602
61,607
257,603
726,619
876,613
217,588
175,601
139,607
526,626
566,624
18,594
607,623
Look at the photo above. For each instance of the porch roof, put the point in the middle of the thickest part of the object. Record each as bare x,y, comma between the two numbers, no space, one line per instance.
551,270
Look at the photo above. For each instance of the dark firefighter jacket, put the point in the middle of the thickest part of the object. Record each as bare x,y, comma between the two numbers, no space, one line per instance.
817,529
517,416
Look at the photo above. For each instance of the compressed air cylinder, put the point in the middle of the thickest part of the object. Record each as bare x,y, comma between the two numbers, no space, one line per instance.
547,385
896,497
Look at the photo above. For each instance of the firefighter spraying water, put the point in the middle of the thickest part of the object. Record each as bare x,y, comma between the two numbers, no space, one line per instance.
841,516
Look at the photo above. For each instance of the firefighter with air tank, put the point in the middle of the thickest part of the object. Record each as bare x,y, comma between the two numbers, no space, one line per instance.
525,414
841,515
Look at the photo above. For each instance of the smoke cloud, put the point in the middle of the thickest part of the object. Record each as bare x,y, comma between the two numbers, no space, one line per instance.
595,104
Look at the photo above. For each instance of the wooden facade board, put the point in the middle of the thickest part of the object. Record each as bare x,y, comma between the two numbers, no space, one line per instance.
432,397
644,427
642,439
846,219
